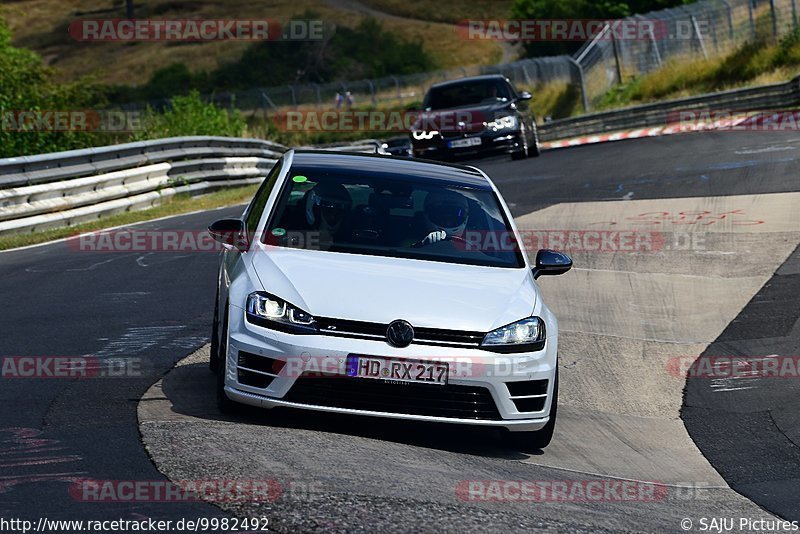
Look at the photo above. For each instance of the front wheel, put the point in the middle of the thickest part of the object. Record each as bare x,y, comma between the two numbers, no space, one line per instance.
540,438
213,360
535,150
522,153
225,405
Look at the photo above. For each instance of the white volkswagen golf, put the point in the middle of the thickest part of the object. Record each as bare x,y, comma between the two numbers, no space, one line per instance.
385,287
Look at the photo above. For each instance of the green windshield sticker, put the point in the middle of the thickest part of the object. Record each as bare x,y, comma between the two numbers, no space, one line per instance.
299,179
278,232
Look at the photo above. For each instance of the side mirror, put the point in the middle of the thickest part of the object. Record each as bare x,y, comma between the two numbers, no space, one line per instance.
230,232
550,262
525,95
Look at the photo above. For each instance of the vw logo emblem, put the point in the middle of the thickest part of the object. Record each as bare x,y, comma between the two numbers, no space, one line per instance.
400,334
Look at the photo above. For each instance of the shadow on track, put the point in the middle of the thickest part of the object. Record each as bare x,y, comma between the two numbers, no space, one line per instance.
190,389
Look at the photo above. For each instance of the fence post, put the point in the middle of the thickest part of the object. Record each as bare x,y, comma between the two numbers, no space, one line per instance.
752,21
654,43
584,97
699,37
399,92
730,18
774,18
372,93
615,47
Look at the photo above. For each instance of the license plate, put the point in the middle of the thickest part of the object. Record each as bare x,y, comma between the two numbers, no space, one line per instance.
378,368
460,143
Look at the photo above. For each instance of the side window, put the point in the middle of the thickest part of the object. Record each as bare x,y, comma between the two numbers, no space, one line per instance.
256,207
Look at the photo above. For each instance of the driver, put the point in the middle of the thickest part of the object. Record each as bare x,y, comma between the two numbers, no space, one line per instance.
326,208
448,212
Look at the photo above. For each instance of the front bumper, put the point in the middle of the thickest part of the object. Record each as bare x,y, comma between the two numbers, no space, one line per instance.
325,356
490,142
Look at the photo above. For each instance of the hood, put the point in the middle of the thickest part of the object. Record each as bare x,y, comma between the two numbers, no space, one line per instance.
378,289
474,117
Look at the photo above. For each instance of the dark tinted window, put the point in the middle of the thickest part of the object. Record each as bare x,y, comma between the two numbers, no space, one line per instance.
383,215
256,207
467,94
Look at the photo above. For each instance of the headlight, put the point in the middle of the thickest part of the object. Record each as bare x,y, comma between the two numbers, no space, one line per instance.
269,311
523,336
503,123
420,135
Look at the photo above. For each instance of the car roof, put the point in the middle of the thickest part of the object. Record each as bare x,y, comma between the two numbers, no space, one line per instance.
392,167
470,79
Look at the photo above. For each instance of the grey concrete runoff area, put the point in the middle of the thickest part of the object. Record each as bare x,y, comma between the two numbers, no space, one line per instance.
624,316
718,273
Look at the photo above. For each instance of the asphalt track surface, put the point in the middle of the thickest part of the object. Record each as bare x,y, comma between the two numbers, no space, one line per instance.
155,308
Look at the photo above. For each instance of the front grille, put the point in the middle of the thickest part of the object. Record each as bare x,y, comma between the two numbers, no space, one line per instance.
462,402
422,336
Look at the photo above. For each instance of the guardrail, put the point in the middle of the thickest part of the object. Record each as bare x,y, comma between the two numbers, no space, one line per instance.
780,95
68,188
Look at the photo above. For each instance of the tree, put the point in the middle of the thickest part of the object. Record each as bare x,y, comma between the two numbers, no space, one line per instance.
580,9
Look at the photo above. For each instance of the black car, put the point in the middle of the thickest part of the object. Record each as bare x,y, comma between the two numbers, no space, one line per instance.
476,115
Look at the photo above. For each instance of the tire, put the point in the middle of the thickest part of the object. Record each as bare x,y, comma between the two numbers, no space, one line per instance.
213,360
536,150
539,439
224,404
523,152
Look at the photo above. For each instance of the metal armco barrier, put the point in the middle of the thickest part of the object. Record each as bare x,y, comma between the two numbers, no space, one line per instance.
766,97
69,188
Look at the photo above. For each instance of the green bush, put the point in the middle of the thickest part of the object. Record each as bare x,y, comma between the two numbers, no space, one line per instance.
26,84
189,115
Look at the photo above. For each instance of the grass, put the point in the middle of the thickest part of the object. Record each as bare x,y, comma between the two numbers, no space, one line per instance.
175,206
451,11
756,63
42,26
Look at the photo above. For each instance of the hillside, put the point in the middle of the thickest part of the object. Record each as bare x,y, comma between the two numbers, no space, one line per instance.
42,25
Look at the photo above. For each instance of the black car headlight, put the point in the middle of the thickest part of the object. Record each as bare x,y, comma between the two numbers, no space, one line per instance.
270,311
509,122
421,135
523,336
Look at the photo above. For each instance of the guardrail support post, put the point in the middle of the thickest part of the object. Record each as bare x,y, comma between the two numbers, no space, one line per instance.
584,97
615,47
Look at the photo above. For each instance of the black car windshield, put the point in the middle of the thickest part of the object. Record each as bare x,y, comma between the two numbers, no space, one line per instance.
391,215
467,94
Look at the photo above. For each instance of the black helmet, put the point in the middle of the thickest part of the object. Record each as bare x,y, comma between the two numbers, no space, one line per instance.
327,204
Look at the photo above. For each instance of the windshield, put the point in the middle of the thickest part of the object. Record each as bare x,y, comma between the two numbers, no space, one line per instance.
467,94
392,216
